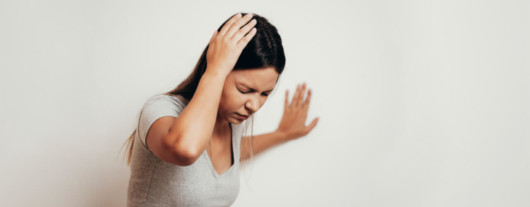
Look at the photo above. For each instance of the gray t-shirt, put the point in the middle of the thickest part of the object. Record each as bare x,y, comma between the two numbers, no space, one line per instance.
155,182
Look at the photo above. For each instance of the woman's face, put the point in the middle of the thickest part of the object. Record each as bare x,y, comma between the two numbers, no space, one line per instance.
244,92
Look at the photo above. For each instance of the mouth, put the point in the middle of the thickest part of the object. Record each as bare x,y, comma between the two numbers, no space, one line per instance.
241,116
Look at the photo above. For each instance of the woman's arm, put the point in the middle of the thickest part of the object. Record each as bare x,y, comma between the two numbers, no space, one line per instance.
192,129
181,140
292,125
261,143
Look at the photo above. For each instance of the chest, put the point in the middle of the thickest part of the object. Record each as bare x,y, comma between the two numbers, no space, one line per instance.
221,152
194,185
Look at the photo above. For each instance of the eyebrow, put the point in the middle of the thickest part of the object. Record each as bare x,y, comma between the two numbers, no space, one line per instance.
252,89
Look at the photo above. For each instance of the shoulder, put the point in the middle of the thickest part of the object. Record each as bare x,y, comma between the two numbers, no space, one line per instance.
161,105
164,102
165,98
157,107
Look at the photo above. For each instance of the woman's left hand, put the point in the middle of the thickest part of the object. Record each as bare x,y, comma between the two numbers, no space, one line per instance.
292,125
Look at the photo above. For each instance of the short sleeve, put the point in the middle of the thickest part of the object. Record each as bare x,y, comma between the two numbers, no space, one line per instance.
157,107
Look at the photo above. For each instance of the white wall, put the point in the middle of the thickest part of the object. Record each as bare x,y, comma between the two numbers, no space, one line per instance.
421,103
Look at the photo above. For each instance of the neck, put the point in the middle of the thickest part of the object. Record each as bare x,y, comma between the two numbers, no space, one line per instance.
220,126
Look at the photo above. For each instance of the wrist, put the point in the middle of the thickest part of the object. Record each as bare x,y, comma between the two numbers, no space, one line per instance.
282,136
216,71
214,76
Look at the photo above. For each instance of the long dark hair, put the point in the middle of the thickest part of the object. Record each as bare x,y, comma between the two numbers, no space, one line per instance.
264,50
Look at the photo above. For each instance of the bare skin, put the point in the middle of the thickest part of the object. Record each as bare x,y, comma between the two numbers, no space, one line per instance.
181,140
226,96
245,92
292,124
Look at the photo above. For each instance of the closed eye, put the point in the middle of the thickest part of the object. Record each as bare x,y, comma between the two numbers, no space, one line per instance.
244,92
251,91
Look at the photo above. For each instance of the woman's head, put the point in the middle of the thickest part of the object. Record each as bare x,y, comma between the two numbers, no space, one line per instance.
246,88
263,52
244,92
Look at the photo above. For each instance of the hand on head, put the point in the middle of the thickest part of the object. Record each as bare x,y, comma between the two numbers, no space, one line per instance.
226,46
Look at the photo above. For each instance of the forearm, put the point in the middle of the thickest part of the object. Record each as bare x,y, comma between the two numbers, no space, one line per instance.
261,143
193,127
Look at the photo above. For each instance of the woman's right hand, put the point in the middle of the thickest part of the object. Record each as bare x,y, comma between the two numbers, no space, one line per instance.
226,46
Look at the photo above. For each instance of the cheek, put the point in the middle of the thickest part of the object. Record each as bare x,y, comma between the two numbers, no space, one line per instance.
231,100
262,101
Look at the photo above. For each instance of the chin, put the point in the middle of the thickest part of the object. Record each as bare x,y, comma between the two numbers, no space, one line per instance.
236,121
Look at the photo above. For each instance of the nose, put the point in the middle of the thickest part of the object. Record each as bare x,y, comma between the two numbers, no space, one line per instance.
252,105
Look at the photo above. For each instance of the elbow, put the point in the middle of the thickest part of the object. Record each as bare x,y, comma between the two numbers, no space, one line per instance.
184,154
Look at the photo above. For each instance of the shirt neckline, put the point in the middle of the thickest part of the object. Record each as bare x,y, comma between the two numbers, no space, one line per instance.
233,150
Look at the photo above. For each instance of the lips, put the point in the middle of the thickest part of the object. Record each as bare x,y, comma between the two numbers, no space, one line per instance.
242,116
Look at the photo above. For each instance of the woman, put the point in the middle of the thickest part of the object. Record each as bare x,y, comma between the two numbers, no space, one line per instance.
189,139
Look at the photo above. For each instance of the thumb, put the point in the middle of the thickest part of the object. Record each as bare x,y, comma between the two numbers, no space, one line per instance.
312,125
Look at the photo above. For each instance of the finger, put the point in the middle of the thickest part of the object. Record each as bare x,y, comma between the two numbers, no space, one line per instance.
312,125
301,95
213,37
286,104
245,40
244,30
238,24
307,99
229,23
295,96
